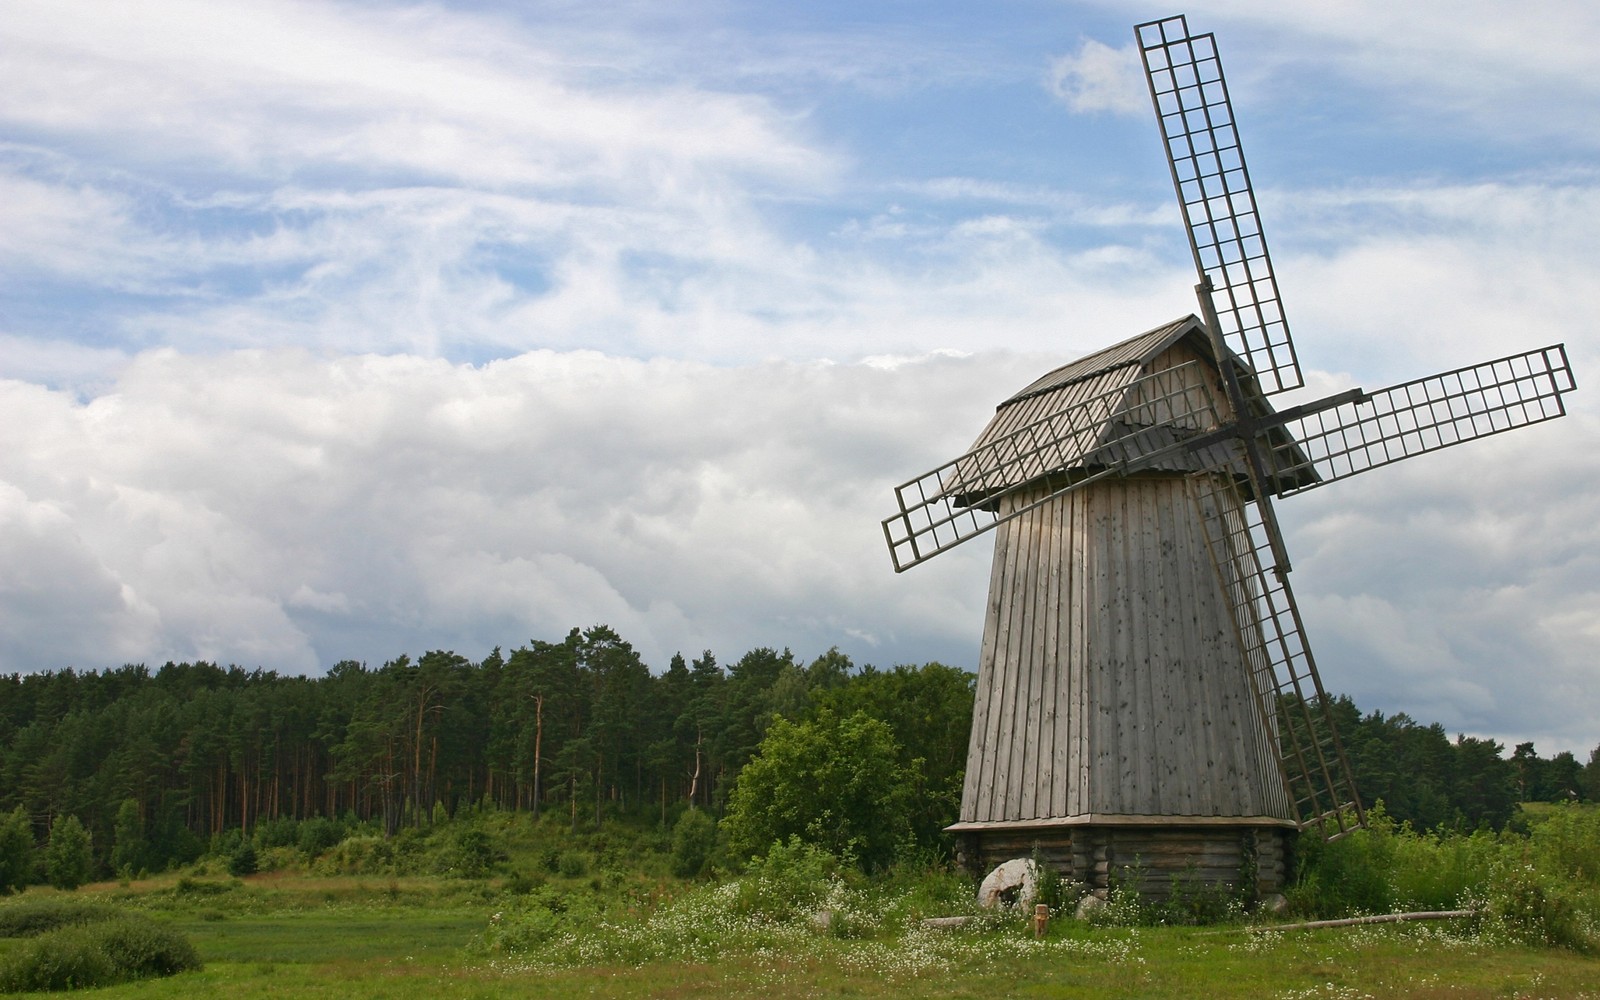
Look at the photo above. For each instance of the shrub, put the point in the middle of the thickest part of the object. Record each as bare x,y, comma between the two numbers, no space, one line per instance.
793,878
361,855
100,954
693,837
472,855
142,949
317,835
60,960
1348,876
243,860
1536,909
33,917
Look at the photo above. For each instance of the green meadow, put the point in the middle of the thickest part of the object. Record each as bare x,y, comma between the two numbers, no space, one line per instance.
556,914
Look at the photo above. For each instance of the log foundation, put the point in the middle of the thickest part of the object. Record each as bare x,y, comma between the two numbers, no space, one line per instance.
1252,859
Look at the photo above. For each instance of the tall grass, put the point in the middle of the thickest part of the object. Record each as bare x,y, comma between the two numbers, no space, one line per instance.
1542,887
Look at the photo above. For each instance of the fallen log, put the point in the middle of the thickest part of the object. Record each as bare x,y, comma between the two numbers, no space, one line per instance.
1381,918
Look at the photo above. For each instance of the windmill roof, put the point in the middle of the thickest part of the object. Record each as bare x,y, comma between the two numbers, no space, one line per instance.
1124,359
1069,394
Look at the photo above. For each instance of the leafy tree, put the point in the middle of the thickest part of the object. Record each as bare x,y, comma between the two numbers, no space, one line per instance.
16,850
128,848
1485,789
929,710
837,784
67,857
1563,778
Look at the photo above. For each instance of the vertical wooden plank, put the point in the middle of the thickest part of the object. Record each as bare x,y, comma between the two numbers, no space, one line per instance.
1082,665
1024,787
1015,613
1061,734
975,796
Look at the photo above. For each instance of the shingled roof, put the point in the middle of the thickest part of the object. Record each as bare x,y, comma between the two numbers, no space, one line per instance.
1086,404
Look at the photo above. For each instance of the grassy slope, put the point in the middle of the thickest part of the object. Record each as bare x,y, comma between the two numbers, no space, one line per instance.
363,937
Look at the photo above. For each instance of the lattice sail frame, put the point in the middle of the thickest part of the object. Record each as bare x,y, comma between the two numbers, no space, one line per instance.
1190,96
1289,698
1153,416
1426,414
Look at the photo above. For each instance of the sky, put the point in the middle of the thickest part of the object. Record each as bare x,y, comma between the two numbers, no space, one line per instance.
345,330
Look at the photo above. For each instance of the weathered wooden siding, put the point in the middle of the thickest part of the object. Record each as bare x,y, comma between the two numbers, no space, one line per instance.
1110,680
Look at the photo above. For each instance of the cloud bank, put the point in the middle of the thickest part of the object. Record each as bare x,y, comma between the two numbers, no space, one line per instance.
347,330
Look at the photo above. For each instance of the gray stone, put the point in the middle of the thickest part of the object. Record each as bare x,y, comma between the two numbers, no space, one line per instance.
1014,884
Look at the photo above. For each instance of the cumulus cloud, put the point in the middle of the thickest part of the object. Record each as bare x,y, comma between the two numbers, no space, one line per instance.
355,329
1100,78
270,507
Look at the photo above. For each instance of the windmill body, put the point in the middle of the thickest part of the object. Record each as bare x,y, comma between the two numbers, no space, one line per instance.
1113,716
1146,700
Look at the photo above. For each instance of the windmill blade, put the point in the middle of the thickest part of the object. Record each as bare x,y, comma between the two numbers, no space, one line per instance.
1424,415
1219,209
1283,674
1137,424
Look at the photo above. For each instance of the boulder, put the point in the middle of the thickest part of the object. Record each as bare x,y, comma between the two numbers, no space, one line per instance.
1014,884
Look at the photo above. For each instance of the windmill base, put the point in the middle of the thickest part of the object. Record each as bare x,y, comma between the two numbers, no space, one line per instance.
1251,859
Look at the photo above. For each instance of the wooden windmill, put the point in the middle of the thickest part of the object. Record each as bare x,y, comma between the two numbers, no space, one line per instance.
1146,699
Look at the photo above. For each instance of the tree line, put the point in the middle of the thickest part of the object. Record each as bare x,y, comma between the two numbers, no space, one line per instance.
580,729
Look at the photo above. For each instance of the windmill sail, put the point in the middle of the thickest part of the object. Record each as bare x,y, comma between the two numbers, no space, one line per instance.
1115,423
1424,415
1219,208
1283,674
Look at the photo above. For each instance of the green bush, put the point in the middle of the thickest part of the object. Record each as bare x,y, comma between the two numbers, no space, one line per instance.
33,917
99,954
472,855
1438,872
142,949
60,960
317,835
1536,909
693,838
1345,877
366,854
790,880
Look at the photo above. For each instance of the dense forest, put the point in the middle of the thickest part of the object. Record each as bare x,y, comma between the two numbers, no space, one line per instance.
580,727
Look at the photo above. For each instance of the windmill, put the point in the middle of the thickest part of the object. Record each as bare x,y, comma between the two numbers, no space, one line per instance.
1146,698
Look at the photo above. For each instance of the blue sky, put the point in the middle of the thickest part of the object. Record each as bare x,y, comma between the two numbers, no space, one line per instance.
344,330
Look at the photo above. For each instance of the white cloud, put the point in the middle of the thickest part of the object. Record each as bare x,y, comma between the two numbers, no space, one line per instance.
235,212
277,87
274,508
1510,71
1100,78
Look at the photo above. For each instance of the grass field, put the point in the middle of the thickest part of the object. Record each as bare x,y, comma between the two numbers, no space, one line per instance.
297,935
